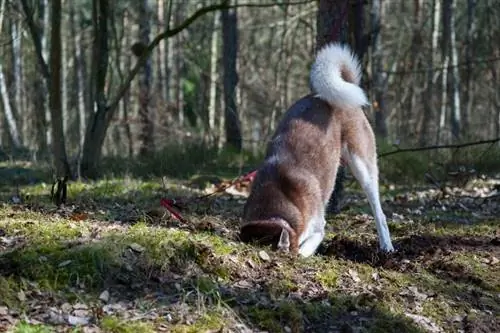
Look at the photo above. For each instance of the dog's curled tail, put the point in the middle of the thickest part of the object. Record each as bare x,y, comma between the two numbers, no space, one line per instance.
335,77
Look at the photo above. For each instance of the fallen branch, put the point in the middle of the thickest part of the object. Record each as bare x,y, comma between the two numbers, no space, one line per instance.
449,146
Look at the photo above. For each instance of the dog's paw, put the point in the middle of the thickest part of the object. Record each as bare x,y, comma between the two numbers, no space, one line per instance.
387,248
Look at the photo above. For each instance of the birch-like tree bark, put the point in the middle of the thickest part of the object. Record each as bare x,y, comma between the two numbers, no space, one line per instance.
15,137
445,62
456,122
469,55
214,71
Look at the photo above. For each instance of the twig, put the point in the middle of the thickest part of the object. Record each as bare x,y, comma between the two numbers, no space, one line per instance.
449,146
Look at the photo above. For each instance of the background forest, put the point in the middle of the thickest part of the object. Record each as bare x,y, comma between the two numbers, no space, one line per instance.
67,73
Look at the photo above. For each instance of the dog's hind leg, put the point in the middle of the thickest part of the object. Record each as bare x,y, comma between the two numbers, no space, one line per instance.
366,172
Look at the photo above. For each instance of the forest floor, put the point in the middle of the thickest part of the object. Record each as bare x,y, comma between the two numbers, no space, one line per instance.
113,260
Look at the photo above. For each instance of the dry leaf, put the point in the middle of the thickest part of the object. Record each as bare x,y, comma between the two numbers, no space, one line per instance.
264,256
104,296
136,247
354,275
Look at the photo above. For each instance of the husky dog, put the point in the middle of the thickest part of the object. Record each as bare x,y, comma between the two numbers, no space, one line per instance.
289,195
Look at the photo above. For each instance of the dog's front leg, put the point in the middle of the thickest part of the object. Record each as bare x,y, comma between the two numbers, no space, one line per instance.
312,237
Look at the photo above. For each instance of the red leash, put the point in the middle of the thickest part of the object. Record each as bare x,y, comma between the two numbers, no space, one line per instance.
174,206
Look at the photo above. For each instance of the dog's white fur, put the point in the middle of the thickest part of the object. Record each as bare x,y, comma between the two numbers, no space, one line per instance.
327,82
294,180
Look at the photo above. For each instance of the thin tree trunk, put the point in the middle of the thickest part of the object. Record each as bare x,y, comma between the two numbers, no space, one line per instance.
55,102
17,71
414,64
445,60
15,137
78,72
146,137
332,26
214,56
455,78
230,45
45,56
64,80
126,97
37,34
99,119
469,54
428,107
331,22
379,77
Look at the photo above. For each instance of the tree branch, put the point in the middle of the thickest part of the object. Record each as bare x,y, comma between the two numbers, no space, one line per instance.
450,146
35,35
170,33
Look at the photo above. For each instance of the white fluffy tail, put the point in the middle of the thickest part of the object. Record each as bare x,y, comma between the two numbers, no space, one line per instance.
335,77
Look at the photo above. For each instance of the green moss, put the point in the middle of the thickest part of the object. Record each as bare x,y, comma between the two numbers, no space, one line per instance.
115,325
328,277
24,327
210,321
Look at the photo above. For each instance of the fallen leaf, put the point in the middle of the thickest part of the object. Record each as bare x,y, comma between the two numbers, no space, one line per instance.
424,322
104,296
250,263
78,216
80,306
494,261
64,263
75,321
4,310
21,296
354,275
136,247
264,256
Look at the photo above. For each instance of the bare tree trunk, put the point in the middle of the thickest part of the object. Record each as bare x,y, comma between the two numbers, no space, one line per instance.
126,97
55,102
445,60
64,80
15,137
455,110
37,34
99,116
379,76
230,45
16,38
79,75
45,56
331,22
146,137
214,57
332,26
428,107
414,64
469,54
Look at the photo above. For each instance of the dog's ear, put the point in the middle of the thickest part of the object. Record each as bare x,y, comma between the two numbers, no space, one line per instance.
284,242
